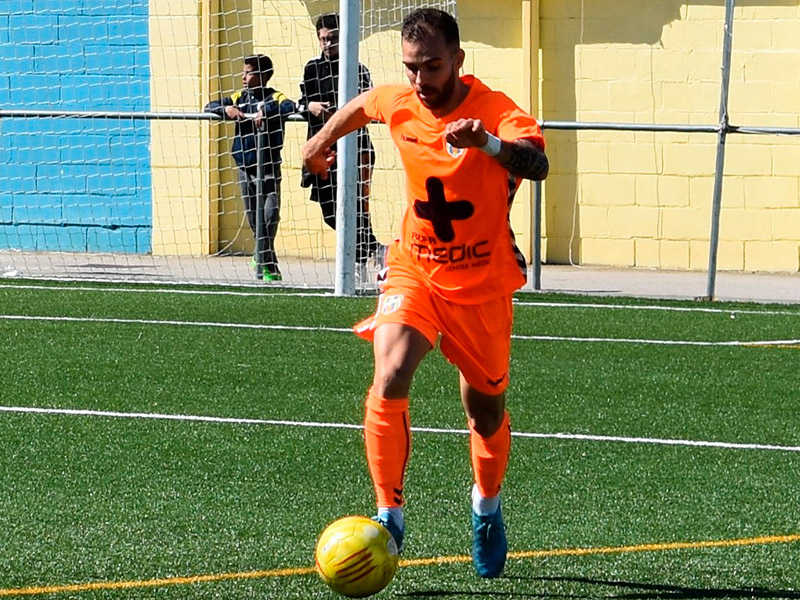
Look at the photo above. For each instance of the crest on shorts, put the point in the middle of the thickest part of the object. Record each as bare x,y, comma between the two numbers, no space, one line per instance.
453,151
391,303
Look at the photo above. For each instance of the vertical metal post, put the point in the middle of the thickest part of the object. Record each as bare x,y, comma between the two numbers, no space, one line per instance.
347,151
537,236
531,46
719,168
261,226
209,88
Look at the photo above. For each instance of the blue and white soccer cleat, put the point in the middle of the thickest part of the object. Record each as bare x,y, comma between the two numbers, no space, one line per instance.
398,533
489,544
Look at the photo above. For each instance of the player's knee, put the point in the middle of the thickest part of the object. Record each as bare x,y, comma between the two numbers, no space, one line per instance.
486,416
393,380
486,424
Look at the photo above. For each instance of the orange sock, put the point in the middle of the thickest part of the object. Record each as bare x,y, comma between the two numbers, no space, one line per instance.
490,458
387,435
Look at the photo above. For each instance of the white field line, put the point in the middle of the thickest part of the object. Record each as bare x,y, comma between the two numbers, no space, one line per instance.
554,338
689,309
538,338
201,292
311,424
176,323
165,291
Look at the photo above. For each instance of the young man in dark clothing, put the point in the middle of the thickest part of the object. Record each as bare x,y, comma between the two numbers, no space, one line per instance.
319,94
259,110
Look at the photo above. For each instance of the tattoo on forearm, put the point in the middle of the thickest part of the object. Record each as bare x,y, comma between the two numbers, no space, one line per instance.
524,159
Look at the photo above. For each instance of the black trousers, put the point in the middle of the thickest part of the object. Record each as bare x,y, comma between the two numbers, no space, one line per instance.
270,217
324,192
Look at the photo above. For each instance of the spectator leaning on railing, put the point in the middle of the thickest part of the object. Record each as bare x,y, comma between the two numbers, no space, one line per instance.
256,109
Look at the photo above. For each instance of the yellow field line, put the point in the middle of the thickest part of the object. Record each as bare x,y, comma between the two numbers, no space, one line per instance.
772,539
414,562
119,585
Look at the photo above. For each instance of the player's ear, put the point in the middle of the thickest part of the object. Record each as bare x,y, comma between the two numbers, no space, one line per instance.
459,59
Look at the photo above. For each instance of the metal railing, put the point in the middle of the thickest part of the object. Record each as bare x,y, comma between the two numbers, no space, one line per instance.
722,130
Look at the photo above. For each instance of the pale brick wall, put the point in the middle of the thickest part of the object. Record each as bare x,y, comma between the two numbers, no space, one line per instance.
492,39
180,206
618,198
613,198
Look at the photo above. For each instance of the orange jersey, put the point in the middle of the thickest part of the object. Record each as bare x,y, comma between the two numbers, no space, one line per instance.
456,232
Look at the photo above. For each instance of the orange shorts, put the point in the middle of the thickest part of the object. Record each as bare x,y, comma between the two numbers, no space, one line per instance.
476,338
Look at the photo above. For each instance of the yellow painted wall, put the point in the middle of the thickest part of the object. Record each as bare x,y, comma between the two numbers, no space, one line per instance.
284,30
644,199
181,205
613,198
493,34
493,53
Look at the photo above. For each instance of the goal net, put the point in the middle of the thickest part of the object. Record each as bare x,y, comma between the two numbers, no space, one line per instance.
114,167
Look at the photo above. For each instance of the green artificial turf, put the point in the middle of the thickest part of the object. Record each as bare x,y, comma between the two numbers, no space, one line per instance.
207,509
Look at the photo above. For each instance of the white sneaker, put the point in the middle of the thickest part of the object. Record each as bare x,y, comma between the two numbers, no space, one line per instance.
380,256
366,276
362,274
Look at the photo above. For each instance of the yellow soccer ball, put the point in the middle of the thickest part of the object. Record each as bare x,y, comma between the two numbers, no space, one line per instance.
356,556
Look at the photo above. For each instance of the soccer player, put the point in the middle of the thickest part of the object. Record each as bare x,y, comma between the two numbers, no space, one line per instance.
452,272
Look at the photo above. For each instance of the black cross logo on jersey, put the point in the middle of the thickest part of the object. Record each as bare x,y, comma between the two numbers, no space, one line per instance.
440,212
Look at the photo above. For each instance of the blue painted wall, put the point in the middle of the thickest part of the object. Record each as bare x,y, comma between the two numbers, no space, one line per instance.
70,184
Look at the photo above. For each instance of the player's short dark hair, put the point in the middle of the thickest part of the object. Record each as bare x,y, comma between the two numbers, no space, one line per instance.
262,64
328,21
423,23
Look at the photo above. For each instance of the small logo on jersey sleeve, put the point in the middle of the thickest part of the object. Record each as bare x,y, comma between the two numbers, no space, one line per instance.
390,304
453,151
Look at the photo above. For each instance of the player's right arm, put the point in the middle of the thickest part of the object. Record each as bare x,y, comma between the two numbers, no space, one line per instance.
226,107
523,157
317,152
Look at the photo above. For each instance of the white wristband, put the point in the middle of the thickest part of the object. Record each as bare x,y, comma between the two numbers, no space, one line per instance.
492,145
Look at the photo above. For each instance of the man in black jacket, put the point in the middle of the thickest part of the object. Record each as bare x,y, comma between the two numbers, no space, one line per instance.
259,110
319,93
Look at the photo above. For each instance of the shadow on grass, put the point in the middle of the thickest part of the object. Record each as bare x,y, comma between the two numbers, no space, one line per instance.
466,594
628,590
654,591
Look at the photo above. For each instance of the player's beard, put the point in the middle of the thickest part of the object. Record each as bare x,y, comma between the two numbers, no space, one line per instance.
438,98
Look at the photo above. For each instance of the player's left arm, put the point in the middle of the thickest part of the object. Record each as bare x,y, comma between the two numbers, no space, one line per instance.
318,154
522,157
